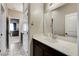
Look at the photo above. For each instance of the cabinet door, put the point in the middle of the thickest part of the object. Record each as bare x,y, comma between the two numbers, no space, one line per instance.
49,51
38,51
52,52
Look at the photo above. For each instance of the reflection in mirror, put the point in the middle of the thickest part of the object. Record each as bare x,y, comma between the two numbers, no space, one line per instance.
71,26
14,27
65,29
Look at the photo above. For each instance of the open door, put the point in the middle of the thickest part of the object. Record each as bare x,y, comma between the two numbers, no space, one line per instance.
2,29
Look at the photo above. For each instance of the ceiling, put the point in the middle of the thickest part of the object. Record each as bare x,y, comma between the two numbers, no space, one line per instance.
15,6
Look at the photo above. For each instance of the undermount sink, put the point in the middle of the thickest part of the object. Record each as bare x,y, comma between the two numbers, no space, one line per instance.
52,40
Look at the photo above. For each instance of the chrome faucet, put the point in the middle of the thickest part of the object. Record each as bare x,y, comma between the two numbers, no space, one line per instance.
53,35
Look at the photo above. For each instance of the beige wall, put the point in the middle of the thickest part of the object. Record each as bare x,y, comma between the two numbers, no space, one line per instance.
58,16
18,15
14,13
47,23
35,18
78,28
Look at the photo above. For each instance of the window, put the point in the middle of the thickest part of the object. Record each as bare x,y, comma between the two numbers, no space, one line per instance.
11,27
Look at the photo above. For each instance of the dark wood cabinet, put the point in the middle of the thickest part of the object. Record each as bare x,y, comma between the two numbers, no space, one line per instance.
40,49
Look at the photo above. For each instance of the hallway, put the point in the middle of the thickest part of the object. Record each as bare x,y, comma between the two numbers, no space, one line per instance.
14,31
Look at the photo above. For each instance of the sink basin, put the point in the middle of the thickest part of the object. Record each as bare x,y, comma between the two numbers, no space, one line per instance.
52,40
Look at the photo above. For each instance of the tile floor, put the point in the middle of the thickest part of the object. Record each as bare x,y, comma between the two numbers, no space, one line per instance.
15,49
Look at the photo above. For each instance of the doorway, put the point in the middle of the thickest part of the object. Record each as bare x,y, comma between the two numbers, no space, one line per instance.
17,33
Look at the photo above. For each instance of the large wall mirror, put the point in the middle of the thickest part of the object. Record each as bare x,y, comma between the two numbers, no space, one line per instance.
61,26
14,27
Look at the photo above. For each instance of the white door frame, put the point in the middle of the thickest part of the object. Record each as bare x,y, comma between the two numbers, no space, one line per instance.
25,32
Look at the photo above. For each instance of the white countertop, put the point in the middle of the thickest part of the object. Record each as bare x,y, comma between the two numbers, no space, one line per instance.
63,46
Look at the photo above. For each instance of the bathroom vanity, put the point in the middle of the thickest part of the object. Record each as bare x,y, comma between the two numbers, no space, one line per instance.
44,46
40,49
